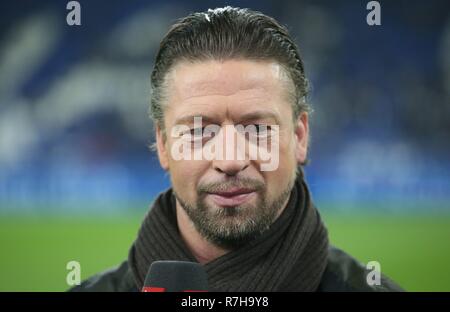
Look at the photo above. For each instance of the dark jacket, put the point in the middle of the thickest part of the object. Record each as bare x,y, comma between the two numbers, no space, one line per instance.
343,273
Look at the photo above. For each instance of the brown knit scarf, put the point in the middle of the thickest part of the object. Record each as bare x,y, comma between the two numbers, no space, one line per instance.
290,256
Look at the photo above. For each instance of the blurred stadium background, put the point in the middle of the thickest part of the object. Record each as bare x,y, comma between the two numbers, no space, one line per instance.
76,175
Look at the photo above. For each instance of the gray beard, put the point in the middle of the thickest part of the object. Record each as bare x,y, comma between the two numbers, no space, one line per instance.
232,227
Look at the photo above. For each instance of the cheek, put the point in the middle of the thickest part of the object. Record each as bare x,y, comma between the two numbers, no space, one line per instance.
287,153
280,178
185,175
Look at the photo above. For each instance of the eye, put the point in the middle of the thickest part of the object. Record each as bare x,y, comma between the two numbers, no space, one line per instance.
259,130
263,129
197,132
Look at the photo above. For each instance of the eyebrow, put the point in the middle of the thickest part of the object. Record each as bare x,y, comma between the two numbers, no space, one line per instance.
260,115
245,117
190,119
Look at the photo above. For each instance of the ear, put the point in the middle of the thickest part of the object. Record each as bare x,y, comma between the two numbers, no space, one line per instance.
301,138
163,156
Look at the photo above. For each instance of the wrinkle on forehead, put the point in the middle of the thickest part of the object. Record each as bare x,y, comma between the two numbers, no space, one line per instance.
224,78
244,94
228,106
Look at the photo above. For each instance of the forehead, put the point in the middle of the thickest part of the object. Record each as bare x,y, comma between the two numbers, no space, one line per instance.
226,86
197,78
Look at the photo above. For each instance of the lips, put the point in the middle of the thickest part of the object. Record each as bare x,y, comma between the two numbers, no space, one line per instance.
233,192
232,196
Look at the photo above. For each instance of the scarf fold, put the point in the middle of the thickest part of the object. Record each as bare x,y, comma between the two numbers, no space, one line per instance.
290,256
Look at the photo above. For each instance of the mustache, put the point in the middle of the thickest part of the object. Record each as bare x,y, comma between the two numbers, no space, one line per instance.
223,186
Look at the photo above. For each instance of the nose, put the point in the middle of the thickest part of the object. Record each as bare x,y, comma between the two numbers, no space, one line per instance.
230,167
234,158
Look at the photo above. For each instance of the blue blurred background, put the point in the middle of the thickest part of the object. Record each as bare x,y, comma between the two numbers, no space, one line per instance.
74,126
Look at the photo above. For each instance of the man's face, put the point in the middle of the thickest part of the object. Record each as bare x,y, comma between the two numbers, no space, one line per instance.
231,200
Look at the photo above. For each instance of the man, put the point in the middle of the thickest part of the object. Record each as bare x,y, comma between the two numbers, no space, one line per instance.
227,82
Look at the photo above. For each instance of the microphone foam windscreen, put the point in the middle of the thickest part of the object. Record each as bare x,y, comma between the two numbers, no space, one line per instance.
176,276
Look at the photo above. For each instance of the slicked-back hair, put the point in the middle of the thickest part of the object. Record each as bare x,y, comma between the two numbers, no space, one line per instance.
227,33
